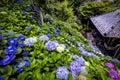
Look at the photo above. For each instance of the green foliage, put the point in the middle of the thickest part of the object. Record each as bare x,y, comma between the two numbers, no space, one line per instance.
95,8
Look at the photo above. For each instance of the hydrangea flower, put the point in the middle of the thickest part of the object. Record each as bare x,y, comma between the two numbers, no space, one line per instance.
109,65
1,78
83,70
1,28
62,73
44,38
21,64
51,45
48,35
11,50
21,45
30,41
60,47
81,49
79,59
12,41
75,67
1,37
7,60
29,28
20,70
21,37
29,8
113,74
26,53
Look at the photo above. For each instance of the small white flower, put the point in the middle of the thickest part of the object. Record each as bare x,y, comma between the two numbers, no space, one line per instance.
60,47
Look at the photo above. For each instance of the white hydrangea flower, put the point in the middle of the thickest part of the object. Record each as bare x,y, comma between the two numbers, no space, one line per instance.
60,47
30,41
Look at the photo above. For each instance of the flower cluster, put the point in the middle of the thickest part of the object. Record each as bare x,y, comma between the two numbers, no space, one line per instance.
7,60
75,67
44,38
30,41
85,53
112,72
21,64
13,44
62,73
51,45
80,61
60,47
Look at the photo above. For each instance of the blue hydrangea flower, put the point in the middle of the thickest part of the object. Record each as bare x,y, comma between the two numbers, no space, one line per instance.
1,37
75,67
21,37
62,73
85,53
1,28
26,53
12,41
33,17
39,25
30,41
11,50
1,78
21,64
83,70
36,11
95,56
28,8
80,60
29,28
49,35
51,45
20,2
7,60
20,70
81,49
21,45
24,62
44,38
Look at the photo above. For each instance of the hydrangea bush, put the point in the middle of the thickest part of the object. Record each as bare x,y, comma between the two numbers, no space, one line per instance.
52,51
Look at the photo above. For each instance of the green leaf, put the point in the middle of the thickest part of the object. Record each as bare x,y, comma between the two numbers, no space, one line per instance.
7,70
19,50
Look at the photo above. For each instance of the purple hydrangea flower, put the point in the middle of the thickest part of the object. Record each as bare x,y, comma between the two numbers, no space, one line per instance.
81,49
113,74
79,59
62,73
20,70
7,60
26,53
11,50
75,67
44,38
51,45
109,65
12,41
